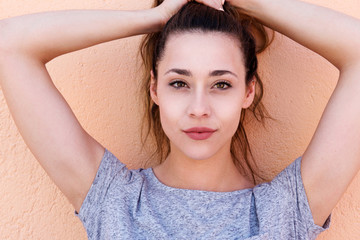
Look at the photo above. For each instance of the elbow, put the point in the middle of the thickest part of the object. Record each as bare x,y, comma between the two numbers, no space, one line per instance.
12,39
7,41
3,40
16,41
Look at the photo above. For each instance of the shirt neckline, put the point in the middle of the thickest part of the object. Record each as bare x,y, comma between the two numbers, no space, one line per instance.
158,184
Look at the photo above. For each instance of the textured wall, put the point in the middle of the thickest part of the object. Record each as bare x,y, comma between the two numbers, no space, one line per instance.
100,84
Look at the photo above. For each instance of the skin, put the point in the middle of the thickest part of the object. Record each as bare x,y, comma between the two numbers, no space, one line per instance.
195,99
326,161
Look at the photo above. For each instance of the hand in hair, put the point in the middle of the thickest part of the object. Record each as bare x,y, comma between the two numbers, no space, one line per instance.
217,4
169,7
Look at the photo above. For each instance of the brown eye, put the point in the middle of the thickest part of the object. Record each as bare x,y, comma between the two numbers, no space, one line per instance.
178,84
222,85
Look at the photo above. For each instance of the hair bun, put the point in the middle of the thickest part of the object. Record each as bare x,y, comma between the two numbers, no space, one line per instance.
259,32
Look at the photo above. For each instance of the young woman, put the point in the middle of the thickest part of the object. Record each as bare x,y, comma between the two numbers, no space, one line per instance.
203,75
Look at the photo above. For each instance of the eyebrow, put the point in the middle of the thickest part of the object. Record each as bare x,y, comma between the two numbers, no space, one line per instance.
185,72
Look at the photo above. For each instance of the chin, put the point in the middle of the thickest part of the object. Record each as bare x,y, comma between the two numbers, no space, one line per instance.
199,153
200,150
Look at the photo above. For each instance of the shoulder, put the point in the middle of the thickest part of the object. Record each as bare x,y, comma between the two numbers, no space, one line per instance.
284,182
113,180
283,206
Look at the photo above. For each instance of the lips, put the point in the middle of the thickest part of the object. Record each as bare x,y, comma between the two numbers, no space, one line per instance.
199,133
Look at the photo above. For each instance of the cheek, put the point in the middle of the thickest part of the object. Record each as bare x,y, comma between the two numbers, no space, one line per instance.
171,111
228,112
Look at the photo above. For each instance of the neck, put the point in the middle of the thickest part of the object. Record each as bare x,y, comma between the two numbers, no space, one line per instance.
217,173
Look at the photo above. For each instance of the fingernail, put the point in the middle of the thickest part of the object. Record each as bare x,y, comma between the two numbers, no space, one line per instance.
221,9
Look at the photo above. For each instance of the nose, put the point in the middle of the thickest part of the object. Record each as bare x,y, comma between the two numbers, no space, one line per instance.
199,105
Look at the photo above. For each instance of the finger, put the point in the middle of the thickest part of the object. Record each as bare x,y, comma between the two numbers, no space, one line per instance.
168,8
217,4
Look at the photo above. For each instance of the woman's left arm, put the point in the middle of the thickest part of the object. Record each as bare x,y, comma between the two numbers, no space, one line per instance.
332,158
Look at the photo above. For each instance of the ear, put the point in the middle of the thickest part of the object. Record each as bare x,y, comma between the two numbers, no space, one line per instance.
250,94
153,88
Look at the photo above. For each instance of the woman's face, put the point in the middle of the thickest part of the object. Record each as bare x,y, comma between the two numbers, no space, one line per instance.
200,91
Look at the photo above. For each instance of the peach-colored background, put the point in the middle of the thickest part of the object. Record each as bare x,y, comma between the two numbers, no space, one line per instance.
100,84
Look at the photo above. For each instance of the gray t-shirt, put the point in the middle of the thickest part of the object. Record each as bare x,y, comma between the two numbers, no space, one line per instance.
134,204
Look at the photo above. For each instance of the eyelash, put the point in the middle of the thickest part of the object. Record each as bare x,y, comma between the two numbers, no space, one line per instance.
176,82
225,83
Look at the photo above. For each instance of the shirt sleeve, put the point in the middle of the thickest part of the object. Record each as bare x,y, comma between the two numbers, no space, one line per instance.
110,167
290,182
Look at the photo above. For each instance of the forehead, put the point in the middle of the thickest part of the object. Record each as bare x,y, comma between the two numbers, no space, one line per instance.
201,52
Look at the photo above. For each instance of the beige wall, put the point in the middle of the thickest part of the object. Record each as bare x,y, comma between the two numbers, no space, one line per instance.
100,84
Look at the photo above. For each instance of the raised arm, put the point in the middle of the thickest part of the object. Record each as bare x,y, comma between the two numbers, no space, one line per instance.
332,158
48,126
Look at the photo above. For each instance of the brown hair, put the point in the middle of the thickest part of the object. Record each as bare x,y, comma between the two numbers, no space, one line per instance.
196,17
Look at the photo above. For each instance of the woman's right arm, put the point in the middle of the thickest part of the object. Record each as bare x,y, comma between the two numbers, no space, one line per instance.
44,119
44,36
